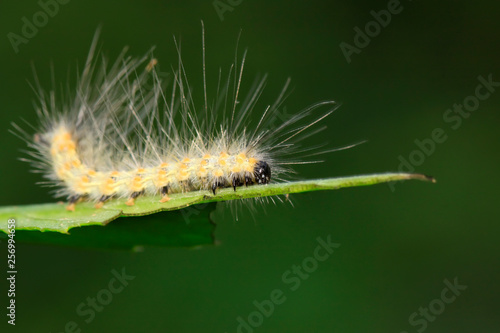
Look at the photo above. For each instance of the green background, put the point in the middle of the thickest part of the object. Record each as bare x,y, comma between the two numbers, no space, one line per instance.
397,246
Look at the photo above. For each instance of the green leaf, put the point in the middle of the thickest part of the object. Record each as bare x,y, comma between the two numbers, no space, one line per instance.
157,230
168,229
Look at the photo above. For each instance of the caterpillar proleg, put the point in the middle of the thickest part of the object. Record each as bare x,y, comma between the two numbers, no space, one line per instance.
125,132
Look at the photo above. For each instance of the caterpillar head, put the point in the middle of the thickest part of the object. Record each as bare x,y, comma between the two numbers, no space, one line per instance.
262,173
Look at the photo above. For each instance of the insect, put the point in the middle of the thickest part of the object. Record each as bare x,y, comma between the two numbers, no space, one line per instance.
126,131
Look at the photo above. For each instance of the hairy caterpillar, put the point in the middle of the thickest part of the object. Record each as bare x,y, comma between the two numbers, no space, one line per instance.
125,132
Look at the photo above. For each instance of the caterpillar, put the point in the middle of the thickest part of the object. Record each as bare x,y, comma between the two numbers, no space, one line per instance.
126,131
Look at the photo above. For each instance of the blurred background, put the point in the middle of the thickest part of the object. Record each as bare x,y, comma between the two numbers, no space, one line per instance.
401,246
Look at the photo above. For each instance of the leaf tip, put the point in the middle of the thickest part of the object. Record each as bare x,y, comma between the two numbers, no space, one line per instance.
430,179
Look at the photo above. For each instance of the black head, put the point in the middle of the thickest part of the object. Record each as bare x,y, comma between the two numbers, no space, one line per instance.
262,173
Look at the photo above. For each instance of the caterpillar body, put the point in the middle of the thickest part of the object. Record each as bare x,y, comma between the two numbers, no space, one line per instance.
125,132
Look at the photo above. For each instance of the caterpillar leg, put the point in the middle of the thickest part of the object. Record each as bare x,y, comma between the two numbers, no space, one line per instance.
248,180
218,183
236,182
164,193
133,196
102,199
72,202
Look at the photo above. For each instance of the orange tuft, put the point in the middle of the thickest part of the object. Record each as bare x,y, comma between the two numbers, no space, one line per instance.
109,186
66,136
202,172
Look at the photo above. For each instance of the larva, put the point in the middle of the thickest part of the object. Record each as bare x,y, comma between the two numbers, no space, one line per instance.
125,132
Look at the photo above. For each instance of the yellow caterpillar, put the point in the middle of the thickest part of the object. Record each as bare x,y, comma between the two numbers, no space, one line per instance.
125,131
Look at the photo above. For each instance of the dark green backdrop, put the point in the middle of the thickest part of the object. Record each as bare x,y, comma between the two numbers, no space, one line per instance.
397,246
